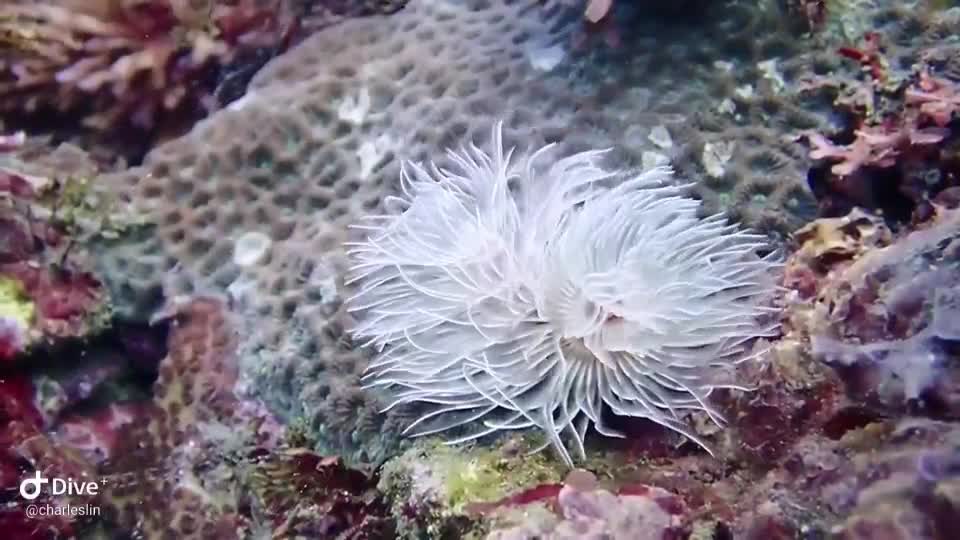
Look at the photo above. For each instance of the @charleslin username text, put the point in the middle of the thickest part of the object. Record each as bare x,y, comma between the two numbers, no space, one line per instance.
62,510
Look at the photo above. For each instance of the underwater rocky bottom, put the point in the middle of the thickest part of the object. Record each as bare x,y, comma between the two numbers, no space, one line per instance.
174,354
850,429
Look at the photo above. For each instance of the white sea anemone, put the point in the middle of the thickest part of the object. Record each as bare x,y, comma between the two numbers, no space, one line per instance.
518,296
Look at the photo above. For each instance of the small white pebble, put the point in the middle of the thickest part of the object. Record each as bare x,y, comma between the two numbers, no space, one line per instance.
250,247
545,58
716,156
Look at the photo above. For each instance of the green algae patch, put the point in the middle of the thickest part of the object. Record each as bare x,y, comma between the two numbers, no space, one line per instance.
487,475
15,304
431,486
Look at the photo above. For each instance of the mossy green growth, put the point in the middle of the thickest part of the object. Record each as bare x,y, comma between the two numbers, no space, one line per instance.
485,475
439,482
85,212
14,302
942,5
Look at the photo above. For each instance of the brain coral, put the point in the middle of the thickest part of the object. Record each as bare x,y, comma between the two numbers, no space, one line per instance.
548,292
317,141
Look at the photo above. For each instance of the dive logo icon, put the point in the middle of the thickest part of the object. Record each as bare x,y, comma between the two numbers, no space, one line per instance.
30,487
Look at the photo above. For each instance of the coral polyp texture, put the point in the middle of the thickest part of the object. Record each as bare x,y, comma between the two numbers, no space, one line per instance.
534,293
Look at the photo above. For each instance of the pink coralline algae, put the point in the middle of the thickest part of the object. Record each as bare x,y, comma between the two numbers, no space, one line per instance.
63,298
874,146
938,99
129,62
98,436
896,150
21,428
583,510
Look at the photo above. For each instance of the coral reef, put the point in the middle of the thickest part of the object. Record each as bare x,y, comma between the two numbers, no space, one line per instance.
886,316
318,139
900,154
157,462
437,491
872,477
46,287
584,510
306,495
16,318
154,65
893,96
822,445
191,460
849,429
20,421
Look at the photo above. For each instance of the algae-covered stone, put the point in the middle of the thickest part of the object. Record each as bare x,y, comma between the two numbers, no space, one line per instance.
14,303
16,316
431,487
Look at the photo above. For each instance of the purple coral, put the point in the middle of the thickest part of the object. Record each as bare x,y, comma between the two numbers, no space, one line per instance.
892,311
